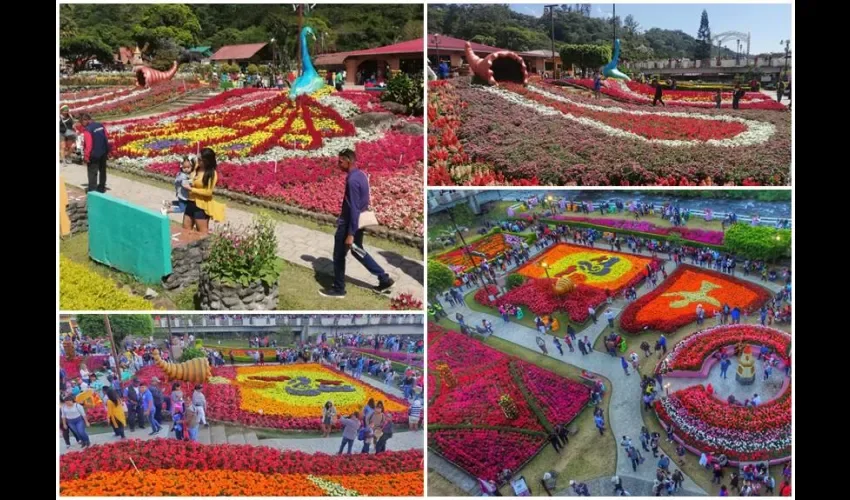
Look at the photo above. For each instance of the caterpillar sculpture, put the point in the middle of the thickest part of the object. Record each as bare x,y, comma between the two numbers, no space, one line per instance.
145,76
195,370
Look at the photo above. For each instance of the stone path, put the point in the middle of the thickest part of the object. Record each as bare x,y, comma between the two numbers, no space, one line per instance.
296,244
624,406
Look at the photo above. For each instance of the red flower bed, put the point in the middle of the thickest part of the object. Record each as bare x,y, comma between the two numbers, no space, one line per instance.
661,308
485,452
72,366
657,127
366,102
712,411
158,454
487,441
690,353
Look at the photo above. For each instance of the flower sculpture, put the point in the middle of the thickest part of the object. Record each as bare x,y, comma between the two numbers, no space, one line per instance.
145,76
564,285
509,407
483,68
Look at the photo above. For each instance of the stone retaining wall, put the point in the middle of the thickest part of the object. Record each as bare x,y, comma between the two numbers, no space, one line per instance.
216,296
188,252
77,210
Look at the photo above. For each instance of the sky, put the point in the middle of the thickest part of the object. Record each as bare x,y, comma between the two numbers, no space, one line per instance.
766,23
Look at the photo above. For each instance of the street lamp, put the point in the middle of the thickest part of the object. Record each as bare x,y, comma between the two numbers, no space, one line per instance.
787,44
436,39
545,267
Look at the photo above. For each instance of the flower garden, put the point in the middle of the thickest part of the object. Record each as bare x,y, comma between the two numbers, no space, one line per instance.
706,423
124,100
489,411
597,268
167,467
283,151
673,303
495,135
488,247
641,93
702,236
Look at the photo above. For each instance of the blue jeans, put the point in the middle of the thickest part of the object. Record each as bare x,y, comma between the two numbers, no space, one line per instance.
193,433
346,441
341,251
155,427
78,427
366,447
408,390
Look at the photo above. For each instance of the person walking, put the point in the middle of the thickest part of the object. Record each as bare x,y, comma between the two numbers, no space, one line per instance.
600,424
780,90
558,345
625,365
74,418
199,401
646,348
658,94
571,331
609,314
597,85
95,153
634,457
592,313
569,343
148,409
414,414
115,412
350,428
581,347
644,438
67,136
653,443
724,366
133,397
349,231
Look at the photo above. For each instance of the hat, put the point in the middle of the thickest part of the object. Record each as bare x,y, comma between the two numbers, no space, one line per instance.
64,108
572,482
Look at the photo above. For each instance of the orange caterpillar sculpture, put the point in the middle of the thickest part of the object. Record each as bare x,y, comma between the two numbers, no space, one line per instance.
195,370
483,68
145,76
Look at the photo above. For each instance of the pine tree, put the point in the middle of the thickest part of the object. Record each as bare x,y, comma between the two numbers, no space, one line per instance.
703,46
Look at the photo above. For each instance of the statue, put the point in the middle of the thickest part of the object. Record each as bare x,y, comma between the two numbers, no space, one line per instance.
610,70
195,370
309,81
483,68
746,371
146,76
564,285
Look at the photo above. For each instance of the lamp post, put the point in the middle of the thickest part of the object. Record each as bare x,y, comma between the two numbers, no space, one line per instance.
545,267
552,22
787,54
436,39
465,248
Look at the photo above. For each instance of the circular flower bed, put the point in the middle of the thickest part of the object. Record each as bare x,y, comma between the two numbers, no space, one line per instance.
167,467
708,424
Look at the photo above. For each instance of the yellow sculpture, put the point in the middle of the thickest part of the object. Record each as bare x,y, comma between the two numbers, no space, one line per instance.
745,374
564,285
195,370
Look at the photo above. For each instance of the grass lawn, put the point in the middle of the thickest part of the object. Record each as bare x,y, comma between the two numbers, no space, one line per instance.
303,296
438,486
384,244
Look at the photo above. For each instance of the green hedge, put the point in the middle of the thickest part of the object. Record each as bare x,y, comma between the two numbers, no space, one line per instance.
759,242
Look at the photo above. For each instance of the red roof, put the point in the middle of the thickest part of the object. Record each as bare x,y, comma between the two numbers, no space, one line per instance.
407,47
449,43
244,51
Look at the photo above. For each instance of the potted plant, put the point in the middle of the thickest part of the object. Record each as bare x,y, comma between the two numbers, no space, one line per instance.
242,270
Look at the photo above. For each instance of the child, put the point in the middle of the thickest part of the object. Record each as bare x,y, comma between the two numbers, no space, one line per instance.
178,425
717,100
178,206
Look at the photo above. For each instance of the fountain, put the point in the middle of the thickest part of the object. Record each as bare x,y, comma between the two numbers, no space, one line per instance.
745,374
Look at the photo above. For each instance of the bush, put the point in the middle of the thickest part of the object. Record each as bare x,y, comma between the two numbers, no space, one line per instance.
405,90
758,242
514,280
245,255
122,325
440,277
192,353
82,289
252,69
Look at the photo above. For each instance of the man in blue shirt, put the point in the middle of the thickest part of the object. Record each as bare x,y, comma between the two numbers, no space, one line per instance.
349,234
96,151
149,409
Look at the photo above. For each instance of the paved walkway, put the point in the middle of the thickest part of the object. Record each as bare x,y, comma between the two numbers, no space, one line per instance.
624,406
296,244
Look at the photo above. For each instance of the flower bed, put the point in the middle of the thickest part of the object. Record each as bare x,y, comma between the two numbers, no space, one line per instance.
566,139
594,267
696,235
72,366
123,101
488,247
81,289
283,151
742,434
642,93
672,304
259,396
538,295
167,467
467,425
691,352
448,164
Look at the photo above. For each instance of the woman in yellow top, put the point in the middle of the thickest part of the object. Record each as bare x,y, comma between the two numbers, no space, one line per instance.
201,206
115,413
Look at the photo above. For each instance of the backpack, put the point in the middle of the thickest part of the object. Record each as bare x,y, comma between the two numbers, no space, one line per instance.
388,429
361,434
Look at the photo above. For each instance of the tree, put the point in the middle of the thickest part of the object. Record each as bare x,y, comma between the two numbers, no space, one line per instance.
412,30
703,47
139,325
484,39
167,21
80,49
440,277
631,26
585,56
